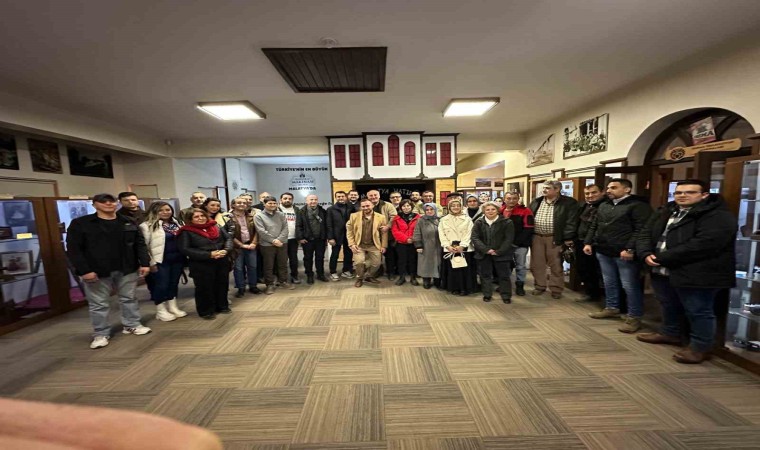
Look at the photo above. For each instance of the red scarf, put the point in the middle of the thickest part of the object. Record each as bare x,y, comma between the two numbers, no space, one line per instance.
209,230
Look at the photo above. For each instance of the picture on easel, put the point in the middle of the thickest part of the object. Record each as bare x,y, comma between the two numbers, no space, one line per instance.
16,263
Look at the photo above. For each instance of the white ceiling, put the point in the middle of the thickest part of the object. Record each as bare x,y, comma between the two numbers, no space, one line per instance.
144,63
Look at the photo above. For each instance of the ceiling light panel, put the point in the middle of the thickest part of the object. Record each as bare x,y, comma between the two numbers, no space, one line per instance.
231,111
462,107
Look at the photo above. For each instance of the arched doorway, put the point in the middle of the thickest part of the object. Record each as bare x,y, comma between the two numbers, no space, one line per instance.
650,168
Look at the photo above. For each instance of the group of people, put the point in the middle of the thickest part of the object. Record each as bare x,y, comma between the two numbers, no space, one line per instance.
471,247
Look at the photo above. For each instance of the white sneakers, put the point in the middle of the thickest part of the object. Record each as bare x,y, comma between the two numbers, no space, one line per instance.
138,330
99,341
347,275
334,277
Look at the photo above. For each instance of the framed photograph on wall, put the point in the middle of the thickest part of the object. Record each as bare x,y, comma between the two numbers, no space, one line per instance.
90,162
8,153
16,263
45,156
544,154
589,136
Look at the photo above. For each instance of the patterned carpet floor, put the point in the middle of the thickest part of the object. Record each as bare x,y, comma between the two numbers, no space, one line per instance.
387,367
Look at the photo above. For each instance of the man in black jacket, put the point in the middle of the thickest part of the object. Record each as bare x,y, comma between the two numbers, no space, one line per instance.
492,237
311,233
689,245
337,216
556,222
587,266
108,253
130,207
613,235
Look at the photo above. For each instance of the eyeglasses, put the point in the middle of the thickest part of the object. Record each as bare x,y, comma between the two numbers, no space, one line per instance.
395,196
687,192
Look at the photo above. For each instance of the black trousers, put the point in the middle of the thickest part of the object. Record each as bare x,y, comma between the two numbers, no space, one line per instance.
212,281
348,256
293,257
487,267
314,252
407,259
391,257
275,260
587,268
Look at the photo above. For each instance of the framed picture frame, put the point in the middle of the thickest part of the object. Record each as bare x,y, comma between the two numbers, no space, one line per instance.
8,152
543,154
18,213
45,156
17,263
88,162
6,233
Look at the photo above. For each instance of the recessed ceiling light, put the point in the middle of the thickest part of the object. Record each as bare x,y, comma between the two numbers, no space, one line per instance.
469,106
242,110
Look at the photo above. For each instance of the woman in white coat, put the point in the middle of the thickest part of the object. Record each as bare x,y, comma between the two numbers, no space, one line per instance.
455,230
160,231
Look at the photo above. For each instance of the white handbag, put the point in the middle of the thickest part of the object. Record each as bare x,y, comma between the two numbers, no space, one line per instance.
457,260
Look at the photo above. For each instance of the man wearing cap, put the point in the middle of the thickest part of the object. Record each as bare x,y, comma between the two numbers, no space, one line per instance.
109,253
197,199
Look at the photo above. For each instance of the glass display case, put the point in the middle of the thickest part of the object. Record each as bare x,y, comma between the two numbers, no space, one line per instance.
24,290
69,210
743,321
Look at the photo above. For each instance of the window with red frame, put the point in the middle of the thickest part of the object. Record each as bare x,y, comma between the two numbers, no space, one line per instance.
340,156
377,154
431,154
410,154
445,153
354,157
393,151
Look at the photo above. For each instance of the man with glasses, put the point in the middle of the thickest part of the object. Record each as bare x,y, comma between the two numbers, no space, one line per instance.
395,199
556,222
689,246
428,197
613,235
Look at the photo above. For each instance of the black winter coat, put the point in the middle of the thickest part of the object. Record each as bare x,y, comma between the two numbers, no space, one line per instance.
586,214
700,247
337,216
199,248
615,227
502,238
303,230
565,217
86,248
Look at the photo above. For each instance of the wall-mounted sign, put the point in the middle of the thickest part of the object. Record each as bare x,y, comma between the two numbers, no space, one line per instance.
702,131
678,153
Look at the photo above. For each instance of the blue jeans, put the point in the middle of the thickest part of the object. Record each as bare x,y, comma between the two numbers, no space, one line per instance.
694,303
245,265
617,273
521,269
98,296
163,283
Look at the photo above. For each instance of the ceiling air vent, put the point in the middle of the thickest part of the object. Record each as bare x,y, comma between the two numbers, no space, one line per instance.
344,69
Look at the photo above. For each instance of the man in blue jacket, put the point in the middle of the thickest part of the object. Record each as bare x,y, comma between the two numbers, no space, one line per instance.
689,246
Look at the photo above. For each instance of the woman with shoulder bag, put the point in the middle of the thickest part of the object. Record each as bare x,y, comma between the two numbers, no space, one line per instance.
160,231
458,274
207,245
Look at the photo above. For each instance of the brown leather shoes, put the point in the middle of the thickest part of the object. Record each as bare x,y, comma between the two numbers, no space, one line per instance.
657,338
358,283
689,356
372,280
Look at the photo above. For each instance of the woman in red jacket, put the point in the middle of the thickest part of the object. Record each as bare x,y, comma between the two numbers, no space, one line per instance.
402,228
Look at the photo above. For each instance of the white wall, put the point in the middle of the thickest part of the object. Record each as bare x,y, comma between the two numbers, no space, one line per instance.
729,82
31,116
199,148
189,174
277,179
241,173
401,170
147,170
67,183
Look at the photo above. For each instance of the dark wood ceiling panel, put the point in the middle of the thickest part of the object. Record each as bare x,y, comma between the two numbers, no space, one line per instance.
348,69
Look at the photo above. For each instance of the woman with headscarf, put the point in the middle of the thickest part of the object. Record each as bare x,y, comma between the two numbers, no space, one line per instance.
455,230
402,227
428,246
206,245
160,231
474,208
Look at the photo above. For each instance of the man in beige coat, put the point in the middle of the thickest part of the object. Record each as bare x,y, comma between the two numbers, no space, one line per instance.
367,235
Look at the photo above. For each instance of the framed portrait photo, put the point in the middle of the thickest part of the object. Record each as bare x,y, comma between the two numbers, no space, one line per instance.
45,156
90,162
16,263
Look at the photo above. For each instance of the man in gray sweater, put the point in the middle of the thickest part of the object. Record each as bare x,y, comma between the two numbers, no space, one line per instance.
272,228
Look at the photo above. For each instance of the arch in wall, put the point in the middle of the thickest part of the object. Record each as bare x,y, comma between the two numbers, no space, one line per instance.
662,132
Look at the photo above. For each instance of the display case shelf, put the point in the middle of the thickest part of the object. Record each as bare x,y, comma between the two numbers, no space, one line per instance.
742,313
